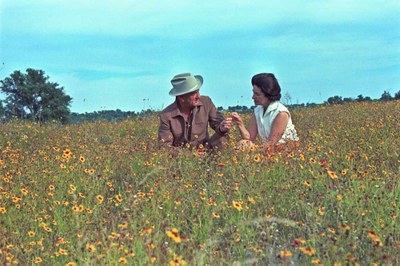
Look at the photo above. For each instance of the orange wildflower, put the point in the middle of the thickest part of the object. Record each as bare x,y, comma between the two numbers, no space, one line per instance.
237,205
307,250
285,253
174,234
332,174
118,197
216,215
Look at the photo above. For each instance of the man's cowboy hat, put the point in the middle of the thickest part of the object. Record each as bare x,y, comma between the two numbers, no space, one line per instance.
185,83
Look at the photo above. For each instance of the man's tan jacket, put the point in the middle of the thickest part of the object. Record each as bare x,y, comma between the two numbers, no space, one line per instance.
177,130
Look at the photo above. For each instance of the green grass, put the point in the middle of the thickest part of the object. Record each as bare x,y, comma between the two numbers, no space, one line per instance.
335,200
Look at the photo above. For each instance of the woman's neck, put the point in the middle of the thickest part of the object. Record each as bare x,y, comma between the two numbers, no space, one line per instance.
265,106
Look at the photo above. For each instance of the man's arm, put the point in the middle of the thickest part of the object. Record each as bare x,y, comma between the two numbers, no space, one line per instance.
217,122
165,137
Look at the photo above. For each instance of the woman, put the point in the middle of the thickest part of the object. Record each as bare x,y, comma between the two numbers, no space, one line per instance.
271,119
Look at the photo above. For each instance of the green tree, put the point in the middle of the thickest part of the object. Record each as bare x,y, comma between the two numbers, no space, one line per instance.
397,95
386,96
2,111
335,100
347,100
360,98
33,96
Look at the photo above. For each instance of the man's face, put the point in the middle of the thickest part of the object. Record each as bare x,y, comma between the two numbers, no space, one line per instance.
190,100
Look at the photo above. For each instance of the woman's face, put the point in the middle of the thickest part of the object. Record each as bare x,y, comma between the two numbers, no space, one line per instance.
259,97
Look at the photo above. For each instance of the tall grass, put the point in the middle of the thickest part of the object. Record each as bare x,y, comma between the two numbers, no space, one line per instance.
102,193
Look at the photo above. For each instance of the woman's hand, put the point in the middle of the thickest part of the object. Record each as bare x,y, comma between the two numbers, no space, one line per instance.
239,121
236,118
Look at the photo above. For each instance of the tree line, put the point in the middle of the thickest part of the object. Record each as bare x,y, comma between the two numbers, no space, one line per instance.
32,96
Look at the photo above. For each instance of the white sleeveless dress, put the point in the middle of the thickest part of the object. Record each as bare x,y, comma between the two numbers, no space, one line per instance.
265,120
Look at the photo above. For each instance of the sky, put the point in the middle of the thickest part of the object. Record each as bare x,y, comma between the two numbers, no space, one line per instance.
122,54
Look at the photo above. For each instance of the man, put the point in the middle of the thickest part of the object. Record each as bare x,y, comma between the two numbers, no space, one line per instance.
185,122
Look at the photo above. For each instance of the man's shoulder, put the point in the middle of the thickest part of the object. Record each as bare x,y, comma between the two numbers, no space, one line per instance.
169,111
206,100
173,106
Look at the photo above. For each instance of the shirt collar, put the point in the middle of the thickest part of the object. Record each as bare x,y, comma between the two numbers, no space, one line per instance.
272,106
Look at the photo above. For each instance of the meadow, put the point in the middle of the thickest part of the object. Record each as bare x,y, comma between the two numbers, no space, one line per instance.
101,193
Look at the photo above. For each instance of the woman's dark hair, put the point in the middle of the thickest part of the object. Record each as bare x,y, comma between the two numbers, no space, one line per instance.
268,84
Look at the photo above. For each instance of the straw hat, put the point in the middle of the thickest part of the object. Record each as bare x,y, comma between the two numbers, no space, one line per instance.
185,83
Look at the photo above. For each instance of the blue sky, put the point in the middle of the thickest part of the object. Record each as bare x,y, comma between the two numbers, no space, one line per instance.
122,54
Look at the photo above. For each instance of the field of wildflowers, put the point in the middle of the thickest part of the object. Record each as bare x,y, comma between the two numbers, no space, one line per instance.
101,193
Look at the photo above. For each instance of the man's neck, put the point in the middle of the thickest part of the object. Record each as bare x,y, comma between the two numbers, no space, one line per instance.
184,109
186,112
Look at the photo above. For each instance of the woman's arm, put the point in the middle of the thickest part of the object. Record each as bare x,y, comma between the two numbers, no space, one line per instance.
253,131
278,128
250,134
239,121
